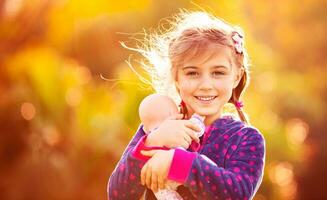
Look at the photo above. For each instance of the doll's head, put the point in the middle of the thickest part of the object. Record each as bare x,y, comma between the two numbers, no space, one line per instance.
154,109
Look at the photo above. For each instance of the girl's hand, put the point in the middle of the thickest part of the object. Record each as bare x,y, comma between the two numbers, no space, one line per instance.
154,173
174,132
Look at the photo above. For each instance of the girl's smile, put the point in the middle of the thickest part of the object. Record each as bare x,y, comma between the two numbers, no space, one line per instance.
206,99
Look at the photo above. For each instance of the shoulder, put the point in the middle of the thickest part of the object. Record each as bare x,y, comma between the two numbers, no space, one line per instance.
250,132
232,126
247,138
253,136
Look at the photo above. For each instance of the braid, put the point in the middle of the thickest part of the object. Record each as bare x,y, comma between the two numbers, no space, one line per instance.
242,115
238,105
183,109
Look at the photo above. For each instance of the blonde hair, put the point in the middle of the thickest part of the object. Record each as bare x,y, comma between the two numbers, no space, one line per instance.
189,33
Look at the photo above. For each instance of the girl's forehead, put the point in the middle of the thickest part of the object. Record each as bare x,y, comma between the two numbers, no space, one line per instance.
212,55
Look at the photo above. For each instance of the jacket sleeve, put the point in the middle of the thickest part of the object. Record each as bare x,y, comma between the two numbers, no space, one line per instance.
238,178
125,181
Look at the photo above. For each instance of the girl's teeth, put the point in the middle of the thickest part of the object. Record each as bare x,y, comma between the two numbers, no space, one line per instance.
205,98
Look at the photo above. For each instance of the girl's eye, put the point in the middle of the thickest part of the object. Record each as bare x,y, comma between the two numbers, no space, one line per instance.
218,73
192,74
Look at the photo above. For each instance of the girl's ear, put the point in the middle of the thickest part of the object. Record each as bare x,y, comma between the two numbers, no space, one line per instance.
238,76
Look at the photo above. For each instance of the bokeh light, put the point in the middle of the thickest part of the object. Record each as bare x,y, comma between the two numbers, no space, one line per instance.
297,131
28,111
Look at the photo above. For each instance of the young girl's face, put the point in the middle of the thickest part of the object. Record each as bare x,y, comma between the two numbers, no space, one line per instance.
206,82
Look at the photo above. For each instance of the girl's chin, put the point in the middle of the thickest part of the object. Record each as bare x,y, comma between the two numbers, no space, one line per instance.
205,113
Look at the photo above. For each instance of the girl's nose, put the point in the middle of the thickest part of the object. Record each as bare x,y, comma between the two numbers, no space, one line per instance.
205,84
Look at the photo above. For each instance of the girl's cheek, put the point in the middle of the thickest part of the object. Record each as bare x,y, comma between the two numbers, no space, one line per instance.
187,85
223,83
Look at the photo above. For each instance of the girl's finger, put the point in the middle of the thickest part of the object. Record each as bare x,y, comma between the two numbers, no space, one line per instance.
161,183
192,126
143,173
148,178
187,144
154,182
193,135
187,140
184,144
148,153
187,136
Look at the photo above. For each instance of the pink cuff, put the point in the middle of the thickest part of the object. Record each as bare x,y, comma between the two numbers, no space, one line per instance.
195,146
181,165
136,152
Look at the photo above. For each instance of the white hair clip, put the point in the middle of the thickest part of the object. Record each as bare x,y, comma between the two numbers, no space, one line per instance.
238,42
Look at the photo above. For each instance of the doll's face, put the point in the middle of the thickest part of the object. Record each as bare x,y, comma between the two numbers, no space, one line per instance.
205,83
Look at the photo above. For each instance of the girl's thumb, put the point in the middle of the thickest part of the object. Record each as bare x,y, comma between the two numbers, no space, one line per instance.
148,153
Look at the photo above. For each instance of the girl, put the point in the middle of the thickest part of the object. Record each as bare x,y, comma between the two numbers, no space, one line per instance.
204,60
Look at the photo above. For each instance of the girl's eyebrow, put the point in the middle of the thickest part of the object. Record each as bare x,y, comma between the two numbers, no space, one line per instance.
213,67
220,66
189,67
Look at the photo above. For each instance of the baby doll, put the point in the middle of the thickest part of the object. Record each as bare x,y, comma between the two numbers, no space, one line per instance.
155,108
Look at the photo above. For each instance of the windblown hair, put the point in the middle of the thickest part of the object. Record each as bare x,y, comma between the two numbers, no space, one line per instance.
189,34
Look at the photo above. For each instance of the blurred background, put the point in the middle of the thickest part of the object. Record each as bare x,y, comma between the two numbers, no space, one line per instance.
63,127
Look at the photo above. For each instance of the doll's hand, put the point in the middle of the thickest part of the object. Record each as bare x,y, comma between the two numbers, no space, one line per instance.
174,132
154,173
